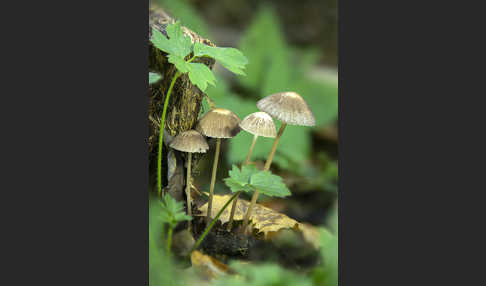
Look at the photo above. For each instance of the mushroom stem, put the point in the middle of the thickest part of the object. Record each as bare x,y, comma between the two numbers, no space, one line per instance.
232,214
233,206
188,189
255,137
213,179
266,168
274,147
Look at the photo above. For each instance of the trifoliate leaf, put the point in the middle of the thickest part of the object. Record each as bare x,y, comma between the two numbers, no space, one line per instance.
239,180
201,75
171,205
230,58
237,186
269,184
179,62
182,216
244,174
154,77
160,41
177,43
172,211
182,44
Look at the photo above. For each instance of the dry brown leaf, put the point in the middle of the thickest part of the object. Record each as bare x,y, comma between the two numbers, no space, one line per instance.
208,266
311,234
264,219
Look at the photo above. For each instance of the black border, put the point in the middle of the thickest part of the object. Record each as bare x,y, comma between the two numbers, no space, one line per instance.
75,174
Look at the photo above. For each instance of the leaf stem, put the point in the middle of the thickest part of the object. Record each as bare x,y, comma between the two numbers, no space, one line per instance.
161,134
208,228
191,59
233,206
169,238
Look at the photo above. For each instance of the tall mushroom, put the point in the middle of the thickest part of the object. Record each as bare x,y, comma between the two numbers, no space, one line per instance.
291,109
217,123
258,124
191,142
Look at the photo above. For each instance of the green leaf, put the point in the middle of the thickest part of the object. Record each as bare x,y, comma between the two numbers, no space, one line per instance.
179,63
244,174
329,253
269,66
201,75
182,217
172,211
154,77
230,58
239,180
162,270
177,44
269,184
182,44
160,41
262,275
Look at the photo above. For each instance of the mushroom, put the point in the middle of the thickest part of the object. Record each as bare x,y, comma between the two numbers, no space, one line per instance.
258,124
190,142
290,108
217,123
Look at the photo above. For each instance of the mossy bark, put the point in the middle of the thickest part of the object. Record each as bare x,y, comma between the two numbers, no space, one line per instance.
185,101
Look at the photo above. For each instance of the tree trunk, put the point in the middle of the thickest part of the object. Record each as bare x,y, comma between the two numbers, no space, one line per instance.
184,105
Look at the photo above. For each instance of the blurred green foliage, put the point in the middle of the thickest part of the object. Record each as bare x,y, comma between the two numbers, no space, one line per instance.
328,273
161,268
183,11
154,77
263,275
163,271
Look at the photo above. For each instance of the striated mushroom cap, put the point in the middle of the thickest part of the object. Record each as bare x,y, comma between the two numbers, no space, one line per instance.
288,107
260,124
219,123
190,141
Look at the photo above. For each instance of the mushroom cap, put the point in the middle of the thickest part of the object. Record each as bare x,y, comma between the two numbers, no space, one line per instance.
288,107
219,123
190,141
260,124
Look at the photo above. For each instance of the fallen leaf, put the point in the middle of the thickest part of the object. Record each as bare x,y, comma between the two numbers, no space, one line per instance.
208,266
263,219
311,234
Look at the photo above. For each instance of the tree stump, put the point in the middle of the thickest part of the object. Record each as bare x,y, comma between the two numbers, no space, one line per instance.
184,105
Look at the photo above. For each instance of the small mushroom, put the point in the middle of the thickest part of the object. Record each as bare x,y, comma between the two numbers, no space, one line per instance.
217,123
290,108
190,142
258,124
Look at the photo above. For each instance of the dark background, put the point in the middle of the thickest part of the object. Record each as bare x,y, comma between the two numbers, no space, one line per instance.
73,151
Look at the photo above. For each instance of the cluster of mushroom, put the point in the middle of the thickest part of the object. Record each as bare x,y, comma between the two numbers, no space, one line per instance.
288,107
217,123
